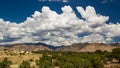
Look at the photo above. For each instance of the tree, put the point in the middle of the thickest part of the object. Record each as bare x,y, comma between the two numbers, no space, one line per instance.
5,63
67,65
116,53
87,64
25,64
57,63
98,51
45,62
96,61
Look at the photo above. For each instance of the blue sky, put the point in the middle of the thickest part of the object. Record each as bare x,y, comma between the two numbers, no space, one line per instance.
18,10
59,22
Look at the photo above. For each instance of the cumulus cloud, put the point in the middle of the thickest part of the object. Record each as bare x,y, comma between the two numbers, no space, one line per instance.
60,29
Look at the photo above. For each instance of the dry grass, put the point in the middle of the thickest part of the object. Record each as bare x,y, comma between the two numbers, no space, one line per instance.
112,65
17,59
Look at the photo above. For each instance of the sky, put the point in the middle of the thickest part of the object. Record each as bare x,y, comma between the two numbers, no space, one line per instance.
18,10
59,22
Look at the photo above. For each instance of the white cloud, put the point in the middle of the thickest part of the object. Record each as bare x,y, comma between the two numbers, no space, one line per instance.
93,38
91,17
65,0
60,29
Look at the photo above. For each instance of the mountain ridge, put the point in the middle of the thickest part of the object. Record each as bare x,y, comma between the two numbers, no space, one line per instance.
76,47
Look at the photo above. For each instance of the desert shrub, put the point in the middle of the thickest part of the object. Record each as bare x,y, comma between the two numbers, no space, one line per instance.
24,64
116,53
67,65
98,51
57,63
31,60
45,62
96,61
5,63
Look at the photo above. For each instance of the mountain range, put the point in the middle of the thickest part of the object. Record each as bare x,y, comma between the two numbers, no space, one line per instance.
77,47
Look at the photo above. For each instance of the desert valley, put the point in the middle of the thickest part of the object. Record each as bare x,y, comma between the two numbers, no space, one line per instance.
18,53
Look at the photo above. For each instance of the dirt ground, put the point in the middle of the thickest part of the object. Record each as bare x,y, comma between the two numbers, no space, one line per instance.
17,58
112,65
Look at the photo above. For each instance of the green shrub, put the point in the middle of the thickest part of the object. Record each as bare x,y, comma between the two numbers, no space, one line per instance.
24,64
5,63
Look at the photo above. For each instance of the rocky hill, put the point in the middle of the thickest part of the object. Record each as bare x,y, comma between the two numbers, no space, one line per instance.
78,47
88,47
74,47
24,47
97,46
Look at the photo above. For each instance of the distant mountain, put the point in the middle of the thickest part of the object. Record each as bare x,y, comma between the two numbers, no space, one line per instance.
74,47
87,47
26,47
91,47
78,47
115,44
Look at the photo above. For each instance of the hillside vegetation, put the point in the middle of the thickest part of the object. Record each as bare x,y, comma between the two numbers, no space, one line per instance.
58,59
86,55
97,59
